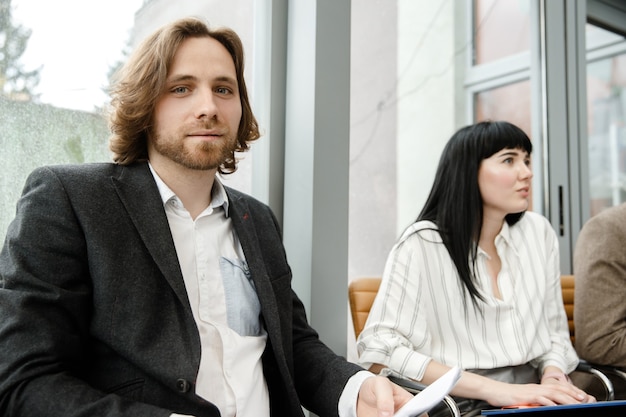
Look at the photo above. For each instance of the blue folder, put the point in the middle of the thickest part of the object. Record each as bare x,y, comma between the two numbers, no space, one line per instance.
600,409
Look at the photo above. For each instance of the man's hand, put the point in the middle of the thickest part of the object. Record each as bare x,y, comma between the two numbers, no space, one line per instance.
379,397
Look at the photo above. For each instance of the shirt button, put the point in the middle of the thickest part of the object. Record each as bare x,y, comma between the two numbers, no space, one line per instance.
183,385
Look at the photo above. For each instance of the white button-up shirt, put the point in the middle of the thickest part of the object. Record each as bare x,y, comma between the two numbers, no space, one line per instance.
224,305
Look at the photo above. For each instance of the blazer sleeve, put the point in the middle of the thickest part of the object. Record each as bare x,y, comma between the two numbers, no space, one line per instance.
45,308
321,375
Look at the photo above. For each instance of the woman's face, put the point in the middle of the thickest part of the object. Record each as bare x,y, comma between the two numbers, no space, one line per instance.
504,181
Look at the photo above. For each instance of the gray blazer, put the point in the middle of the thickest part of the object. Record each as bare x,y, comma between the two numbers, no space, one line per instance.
600,290
94,315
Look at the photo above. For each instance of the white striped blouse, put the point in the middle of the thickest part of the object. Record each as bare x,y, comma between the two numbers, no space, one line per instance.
419,313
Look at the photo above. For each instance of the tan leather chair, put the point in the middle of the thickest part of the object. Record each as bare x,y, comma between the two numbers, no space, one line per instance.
361,293
586,376
567,290
616,376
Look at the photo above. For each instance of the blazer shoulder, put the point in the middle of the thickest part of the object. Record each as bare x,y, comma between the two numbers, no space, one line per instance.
87,173
607,228
90,168
239,198
76,170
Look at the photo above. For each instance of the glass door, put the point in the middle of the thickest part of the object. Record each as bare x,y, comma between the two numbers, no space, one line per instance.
606,118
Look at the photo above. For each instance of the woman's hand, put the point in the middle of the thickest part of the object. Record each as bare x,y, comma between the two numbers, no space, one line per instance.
550,392
566,382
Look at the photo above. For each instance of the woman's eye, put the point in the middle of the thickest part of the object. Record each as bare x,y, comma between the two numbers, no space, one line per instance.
180,90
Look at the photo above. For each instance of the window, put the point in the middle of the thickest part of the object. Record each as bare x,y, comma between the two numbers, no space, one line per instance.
502,29
606,125
74,51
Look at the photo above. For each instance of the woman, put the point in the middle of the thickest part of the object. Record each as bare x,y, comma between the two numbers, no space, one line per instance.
475,283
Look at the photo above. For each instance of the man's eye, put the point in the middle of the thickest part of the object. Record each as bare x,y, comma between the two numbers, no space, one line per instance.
222,90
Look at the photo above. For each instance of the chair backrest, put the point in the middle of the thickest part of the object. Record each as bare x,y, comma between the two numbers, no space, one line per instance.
567,289
361,293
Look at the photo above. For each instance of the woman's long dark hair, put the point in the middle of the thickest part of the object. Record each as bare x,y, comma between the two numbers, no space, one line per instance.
455,204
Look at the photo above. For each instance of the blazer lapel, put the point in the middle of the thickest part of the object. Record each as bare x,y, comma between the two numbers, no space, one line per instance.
246,232
139,194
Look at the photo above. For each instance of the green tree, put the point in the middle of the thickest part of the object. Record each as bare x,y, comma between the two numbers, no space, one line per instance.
15,82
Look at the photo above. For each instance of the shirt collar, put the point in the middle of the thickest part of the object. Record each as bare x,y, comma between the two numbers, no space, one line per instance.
505,233
219,197
502,238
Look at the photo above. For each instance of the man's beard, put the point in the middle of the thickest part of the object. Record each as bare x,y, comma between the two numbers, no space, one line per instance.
203,156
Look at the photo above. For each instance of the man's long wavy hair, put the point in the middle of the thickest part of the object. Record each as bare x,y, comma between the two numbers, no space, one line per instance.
140,82
455,204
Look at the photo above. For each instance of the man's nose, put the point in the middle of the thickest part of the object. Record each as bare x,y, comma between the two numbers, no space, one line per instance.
205,104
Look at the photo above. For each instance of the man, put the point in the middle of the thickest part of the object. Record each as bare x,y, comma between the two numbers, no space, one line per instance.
146,287
600,272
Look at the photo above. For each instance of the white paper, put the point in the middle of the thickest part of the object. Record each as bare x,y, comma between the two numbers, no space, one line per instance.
431,395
